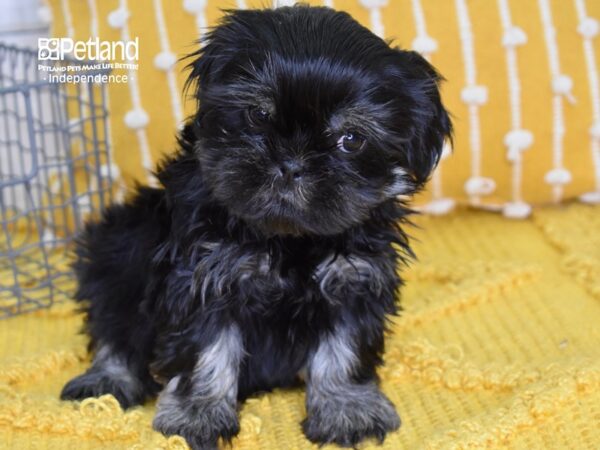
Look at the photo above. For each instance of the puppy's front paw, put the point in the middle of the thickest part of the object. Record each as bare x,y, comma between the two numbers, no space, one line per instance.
200,426
346,420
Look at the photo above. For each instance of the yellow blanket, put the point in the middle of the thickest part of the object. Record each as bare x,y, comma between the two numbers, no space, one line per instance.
498,346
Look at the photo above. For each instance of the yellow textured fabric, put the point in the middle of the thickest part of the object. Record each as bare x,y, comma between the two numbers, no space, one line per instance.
524,66
498,347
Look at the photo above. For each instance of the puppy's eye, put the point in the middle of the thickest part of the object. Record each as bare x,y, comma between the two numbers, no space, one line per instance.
351,142
258,115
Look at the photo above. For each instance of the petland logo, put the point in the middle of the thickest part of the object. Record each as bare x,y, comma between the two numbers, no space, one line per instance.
67,61
56,49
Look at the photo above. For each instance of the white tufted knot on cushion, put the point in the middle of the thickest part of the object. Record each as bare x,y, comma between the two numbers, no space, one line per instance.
480,186
55,181
595,130
562,85
424,44
519,138
474,95
165,60
439,206
118,18
194,6
136,118
517,141
110,171
373,3
84,201
48,236
588,27
558,177
592,198
75,123
44,14
516,210
513,37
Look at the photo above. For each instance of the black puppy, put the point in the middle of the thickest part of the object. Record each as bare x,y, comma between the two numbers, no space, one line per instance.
270,252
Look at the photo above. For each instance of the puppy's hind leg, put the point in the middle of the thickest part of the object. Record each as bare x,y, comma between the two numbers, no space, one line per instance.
110,373
113,270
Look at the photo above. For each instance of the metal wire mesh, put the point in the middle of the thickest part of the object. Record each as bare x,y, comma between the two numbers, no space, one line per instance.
54,175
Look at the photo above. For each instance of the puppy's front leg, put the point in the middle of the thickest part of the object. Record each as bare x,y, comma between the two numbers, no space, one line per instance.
340,408
201,405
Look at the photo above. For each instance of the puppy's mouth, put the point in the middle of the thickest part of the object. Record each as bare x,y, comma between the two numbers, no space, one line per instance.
294,200
286,215
282,212
282,227
290,194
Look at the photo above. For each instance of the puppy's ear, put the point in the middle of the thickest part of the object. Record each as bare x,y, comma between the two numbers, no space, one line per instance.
205,64
217,49
414,83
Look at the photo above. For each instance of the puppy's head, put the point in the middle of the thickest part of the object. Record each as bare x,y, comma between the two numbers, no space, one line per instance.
307,121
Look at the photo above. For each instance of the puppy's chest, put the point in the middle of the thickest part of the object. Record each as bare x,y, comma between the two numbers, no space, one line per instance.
256,276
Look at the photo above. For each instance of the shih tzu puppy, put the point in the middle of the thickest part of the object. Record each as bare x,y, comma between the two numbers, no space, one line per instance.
269,254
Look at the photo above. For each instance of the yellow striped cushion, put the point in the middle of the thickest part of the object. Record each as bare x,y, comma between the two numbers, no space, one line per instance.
522,86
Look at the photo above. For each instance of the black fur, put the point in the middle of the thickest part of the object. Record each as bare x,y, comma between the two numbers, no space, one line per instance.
252,214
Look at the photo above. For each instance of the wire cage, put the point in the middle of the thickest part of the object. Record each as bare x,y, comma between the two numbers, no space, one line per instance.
54,174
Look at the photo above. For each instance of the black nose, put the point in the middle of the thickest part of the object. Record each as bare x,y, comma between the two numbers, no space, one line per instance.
291,169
